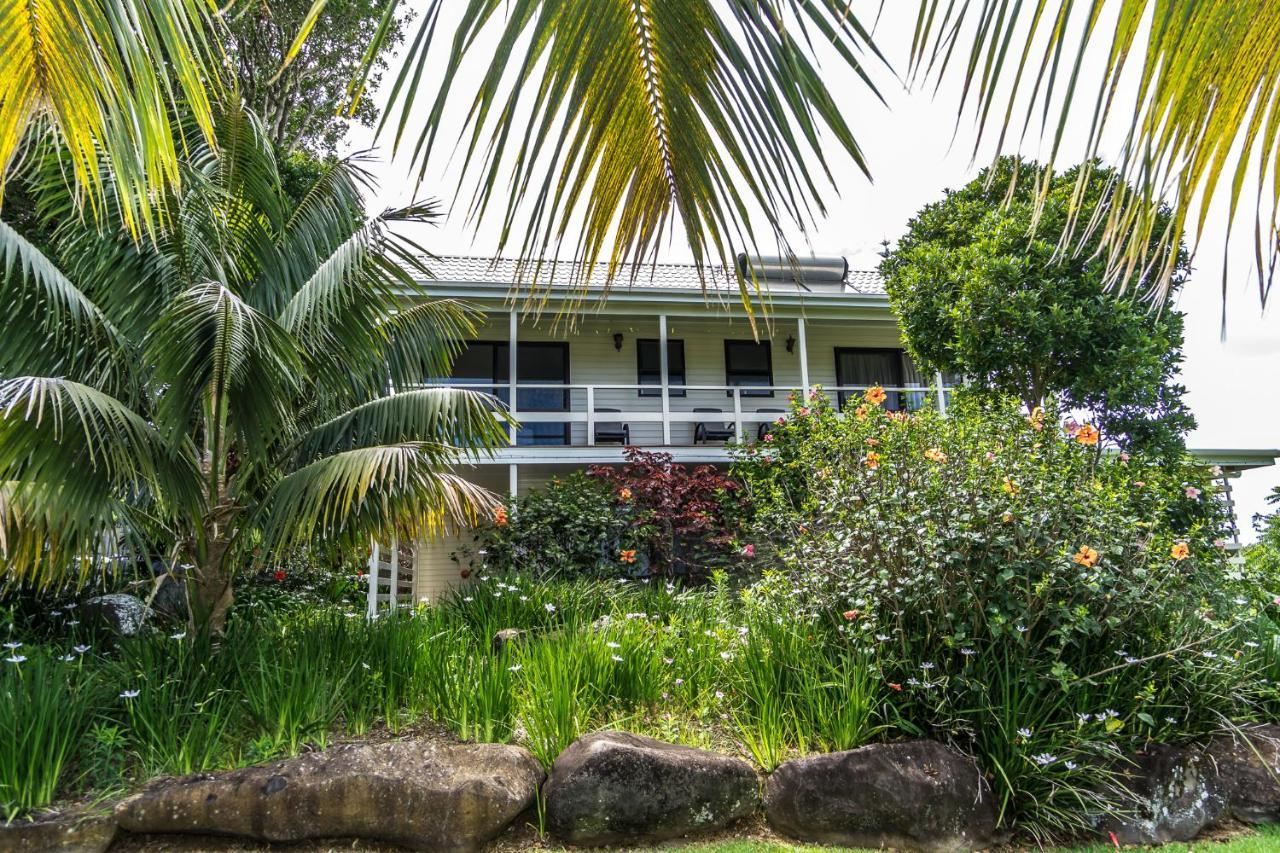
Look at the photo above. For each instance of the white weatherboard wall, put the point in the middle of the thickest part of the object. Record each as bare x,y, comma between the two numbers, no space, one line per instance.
435,572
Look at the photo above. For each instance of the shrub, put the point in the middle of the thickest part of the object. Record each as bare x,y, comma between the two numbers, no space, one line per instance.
1044,604
650,517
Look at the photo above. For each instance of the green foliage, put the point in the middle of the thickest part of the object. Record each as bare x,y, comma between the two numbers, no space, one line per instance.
304,106
649,517
984,289
218,396
1045,606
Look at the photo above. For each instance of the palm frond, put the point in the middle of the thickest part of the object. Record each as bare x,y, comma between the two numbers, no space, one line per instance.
454,419
74,464
1204,120
106,76
639,116
212,352
395,489
50,325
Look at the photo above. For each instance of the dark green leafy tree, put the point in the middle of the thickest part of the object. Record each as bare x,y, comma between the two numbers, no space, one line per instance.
304,106
223,395
985,289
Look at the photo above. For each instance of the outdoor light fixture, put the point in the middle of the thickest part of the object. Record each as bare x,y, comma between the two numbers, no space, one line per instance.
791,343
617,341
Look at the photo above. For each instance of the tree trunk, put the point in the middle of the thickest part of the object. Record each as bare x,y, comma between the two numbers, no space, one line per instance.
209,589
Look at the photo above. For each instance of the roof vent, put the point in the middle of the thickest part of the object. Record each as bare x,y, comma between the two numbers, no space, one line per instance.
794,269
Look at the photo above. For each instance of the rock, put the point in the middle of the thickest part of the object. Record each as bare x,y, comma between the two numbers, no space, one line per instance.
122,614
1173,797
617,788
1247,769
170,600
74,833
917,795
507,637
412,793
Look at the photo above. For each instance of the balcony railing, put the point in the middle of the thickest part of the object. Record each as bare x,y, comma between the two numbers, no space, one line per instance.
555,414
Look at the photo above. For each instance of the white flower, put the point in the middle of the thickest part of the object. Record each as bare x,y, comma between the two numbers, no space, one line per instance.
719,694
181,635
611,644
883,637
549,607
1110,714
467,598
80,649
1024,733
12,646
1083,718
678,682
515,667
365,665
16,658
66,657
1043,759
927,665
1070,765
967,652
524,598
726,656
668,661
616,658
130,694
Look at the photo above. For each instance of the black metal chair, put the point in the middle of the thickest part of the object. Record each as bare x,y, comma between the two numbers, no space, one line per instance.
704,432
612,432
766,425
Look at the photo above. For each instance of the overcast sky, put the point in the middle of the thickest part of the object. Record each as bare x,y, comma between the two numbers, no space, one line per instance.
915,149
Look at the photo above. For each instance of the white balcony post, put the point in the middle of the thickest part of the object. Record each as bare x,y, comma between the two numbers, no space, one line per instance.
662,370
737,413
591,416
804,356
942,395
372,596
513,339
513,478
394,590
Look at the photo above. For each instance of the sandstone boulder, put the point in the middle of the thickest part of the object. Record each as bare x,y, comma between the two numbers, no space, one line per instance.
1247,768
413,793
1173,796
618,788
917,795
75,833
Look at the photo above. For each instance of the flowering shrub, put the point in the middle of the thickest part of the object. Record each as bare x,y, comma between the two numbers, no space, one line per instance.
648,517
1045,604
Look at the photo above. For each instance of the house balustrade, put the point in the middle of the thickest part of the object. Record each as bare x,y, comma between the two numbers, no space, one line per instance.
555,414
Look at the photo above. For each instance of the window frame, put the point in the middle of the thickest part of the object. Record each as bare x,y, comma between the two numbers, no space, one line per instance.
729,373
674,389
900,381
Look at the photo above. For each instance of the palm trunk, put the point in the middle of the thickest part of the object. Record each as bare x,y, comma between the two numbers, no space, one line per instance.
209,589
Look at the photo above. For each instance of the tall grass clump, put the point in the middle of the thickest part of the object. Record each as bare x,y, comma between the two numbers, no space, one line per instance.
46,705
1009,587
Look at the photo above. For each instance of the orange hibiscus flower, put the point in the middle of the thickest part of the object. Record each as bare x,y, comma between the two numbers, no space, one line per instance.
627,555
1088,434
500,516
873,460
1086,557
875,396
1180,551
933,454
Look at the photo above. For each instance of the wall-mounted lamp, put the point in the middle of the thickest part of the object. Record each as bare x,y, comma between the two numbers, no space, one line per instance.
791,343
617,341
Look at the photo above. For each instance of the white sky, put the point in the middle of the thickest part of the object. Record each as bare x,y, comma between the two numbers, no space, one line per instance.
915,150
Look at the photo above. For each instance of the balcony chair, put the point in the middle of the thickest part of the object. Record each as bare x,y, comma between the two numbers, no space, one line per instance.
764,426
704,432
612,432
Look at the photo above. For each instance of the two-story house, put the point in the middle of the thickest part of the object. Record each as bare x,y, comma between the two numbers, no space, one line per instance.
667,361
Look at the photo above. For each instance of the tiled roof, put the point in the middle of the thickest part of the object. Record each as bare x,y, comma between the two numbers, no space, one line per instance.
458,268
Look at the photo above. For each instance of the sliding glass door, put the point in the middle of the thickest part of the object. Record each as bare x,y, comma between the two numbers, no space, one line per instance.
487,364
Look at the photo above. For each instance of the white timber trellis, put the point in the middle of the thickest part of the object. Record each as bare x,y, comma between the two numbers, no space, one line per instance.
390,577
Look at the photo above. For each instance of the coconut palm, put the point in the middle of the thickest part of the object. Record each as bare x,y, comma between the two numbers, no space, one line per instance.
643,118
226,393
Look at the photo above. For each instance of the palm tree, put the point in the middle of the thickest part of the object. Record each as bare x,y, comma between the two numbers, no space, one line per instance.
643,118
227,392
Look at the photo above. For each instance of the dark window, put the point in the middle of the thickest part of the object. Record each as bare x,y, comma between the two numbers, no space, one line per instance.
649,367
486,362
863,367
748,364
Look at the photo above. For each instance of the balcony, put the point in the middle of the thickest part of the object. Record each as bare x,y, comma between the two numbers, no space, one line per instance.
696,420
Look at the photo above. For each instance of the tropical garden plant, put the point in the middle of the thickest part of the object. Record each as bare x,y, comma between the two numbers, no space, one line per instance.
1047,606
226,392
713,117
